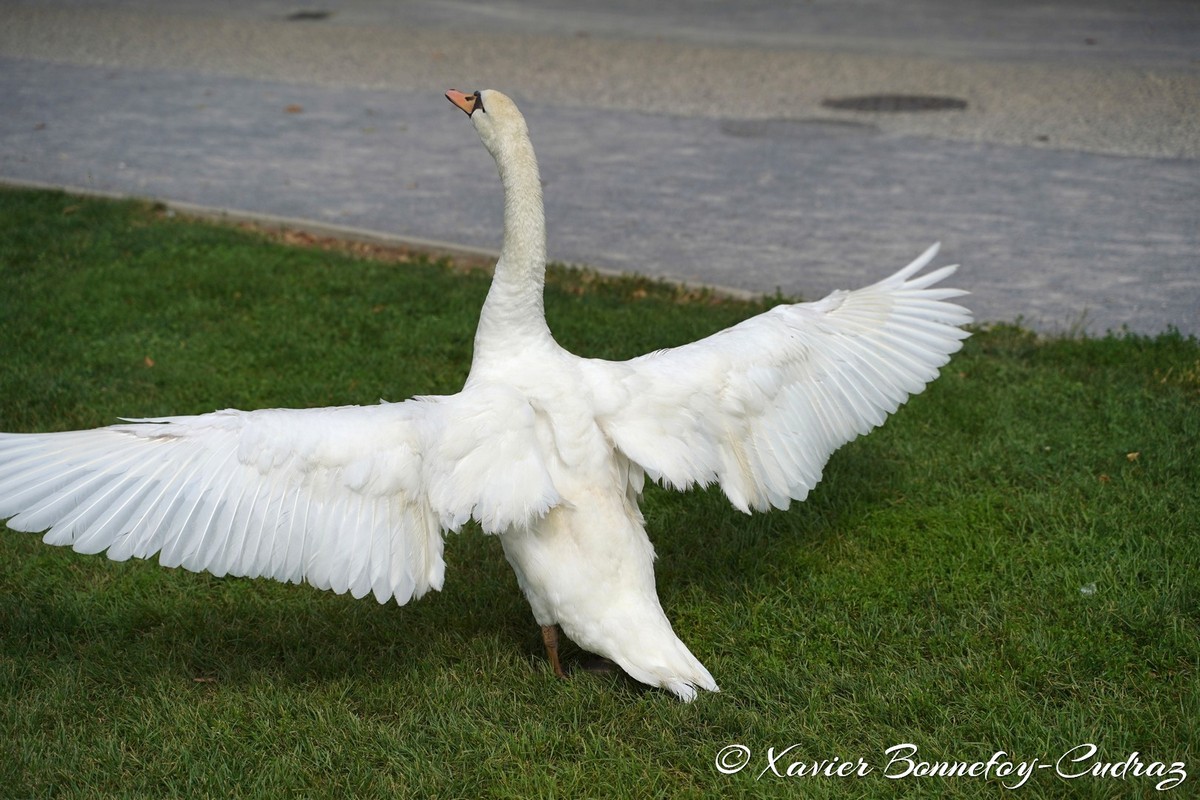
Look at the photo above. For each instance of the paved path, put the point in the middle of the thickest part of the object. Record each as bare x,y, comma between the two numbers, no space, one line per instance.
688,141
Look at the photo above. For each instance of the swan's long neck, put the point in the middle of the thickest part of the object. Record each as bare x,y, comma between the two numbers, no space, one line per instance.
514,309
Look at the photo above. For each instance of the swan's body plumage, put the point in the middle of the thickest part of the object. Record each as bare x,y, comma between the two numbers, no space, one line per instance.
547,450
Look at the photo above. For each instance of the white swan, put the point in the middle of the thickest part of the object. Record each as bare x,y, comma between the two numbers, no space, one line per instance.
545,449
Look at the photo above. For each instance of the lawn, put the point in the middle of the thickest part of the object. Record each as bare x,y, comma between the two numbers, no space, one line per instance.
1012,563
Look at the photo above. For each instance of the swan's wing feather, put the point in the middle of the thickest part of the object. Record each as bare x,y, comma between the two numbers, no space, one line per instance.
760,406
333,496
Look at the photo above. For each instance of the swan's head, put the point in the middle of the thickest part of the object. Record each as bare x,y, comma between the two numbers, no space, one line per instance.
494,116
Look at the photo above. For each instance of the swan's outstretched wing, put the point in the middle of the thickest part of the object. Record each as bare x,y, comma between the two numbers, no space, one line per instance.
332,496
760,407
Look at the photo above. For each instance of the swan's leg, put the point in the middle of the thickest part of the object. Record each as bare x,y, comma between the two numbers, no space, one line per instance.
550,639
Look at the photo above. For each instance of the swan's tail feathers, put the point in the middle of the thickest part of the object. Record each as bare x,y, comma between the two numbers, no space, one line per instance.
684,675
662,659
685,688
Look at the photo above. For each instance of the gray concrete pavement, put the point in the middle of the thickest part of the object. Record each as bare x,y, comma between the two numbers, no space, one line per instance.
685,141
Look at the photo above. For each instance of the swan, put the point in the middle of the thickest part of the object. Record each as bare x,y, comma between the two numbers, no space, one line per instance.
546,450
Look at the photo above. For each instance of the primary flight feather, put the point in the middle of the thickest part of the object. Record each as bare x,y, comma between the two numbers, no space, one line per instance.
547,450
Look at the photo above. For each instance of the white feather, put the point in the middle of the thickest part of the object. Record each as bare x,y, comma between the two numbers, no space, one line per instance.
820,373
548,450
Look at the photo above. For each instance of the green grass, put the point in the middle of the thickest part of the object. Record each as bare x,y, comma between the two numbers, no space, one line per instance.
1011,563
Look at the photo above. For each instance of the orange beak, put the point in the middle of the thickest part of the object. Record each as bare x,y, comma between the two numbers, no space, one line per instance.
464,101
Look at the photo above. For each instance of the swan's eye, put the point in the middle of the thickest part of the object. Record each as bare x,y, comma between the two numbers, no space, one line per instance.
478,103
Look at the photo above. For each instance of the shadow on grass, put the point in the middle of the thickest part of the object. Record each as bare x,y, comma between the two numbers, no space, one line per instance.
130,618
702,541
